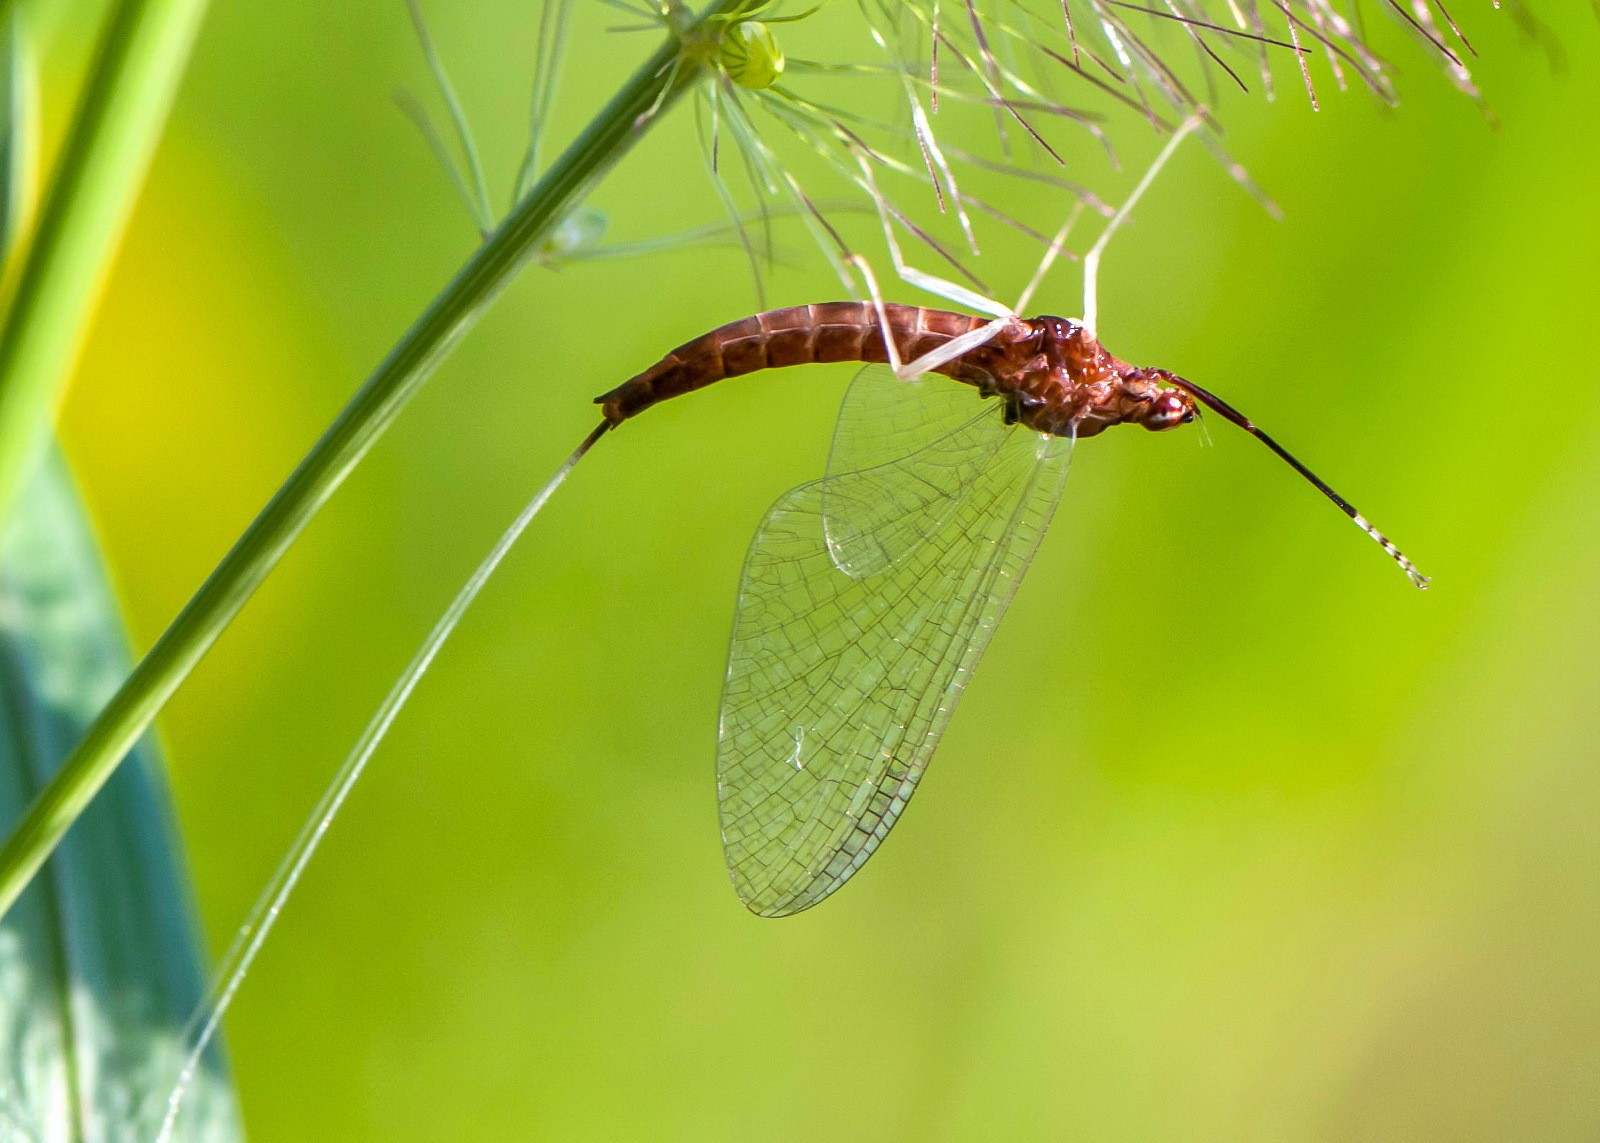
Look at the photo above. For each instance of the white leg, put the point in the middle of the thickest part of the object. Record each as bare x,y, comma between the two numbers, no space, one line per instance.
949,351
928,283
948,290
1091,260
957,346
873,292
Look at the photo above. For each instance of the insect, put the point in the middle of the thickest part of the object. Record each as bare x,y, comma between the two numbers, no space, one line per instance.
869,595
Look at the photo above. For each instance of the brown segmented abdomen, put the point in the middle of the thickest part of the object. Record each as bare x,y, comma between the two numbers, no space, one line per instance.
798,335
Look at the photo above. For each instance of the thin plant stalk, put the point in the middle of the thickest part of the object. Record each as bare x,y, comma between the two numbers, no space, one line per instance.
418,115
124,105
269,906
546,76
478,203
374,407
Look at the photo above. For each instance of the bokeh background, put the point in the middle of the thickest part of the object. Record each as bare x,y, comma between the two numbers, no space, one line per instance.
1235,837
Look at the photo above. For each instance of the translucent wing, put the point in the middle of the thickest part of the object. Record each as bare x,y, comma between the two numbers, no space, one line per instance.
882,420
840,685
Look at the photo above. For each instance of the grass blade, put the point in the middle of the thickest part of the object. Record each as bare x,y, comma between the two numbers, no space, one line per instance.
19,133
124,104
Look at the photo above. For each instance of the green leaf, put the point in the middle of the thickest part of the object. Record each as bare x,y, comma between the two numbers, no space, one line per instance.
99,969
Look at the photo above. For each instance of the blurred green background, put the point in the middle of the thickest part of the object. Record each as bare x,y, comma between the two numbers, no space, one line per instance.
1236,836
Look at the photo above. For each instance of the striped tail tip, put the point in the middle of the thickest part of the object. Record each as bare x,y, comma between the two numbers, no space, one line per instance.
1395,554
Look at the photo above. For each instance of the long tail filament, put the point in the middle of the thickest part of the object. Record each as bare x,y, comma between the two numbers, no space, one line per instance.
1218,405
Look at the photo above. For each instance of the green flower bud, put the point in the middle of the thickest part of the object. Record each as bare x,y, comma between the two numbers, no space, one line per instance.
751,56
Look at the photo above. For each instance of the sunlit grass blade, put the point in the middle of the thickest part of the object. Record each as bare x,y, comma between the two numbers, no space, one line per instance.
19,134
140,59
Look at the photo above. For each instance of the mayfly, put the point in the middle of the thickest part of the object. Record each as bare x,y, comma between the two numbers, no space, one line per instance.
869,595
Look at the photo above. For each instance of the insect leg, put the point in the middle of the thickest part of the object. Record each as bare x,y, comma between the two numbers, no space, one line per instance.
876,295
949,351
956,347
928,283
1091,260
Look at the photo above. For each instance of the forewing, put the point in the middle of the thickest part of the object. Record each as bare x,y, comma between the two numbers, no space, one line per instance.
839,686
866,490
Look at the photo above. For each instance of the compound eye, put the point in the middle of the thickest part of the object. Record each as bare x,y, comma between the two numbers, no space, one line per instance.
1168,411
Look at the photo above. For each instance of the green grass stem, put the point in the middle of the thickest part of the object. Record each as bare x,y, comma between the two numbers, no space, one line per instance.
491,268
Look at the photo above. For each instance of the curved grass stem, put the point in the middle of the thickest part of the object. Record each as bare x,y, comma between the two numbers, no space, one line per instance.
373,408
269,906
